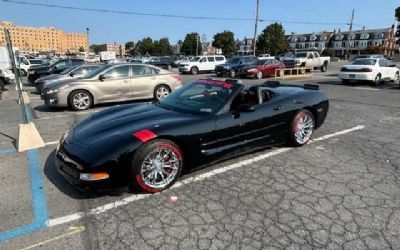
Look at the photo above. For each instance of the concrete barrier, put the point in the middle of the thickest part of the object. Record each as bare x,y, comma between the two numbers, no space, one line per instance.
293,73
29,137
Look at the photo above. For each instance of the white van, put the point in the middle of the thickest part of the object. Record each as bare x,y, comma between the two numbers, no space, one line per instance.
201,64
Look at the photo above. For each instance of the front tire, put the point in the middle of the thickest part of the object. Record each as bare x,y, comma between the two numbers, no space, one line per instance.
259,75
396,79
302,128
161,91
194,70
232,73
345,81
80,100
324,68
155,166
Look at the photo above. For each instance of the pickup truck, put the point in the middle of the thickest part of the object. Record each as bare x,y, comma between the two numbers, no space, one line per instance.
310,59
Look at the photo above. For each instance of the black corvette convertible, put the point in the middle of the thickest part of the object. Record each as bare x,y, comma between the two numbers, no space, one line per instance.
151,143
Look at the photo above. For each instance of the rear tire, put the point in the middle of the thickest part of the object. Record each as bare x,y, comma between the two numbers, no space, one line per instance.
80,100
155,166
302,128
396,79
324,68
161,91
377,80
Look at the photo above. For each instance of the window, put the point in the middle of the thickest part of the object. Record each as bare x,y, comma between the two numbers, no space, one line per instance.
219,58
382,63
141,70
203,60
210,59
61,64
118,72
364,36
77,62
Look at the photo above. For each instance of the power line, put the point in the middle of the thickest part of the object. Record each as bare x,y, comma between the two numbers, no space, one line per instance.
163,15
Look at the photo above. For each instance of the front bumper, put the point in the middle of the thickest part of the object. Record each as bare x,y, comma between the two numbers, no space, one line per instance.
71,171
55,99
357,76
183,69
221,71
247,74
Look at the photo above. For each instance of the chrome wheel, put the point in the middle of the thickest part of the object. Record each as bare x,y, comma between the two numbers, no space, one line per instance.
303,128
377,80
160,167
81,100
162,92
259,75
397,78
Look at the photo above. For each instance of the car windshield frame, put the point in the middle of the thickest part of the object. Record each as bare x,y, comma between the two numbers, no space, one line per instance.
300,54
234,60
99,70
68,70
171,101
368,61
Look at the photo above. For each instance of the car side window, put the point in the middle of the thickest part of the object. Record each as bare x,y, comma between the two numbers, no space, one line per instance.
61,64
118,72
382,63
219,58
210,59
315,54
140,70
203,60
76,62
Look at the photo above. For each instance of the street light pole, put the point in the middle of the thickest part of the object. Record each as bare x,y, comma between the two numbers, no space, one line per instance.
255,30
348,37
87,45
197,45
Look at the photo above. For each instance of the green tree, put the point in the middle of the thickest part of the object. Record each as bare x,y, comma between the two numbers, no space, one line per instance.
145,46
130,48
272,40
226,42
164,47
397,15
327,52
96,48
81,49
191,43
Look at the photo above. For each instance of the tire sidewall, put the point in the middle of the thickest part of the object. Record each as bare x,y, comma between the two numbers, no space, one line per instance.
159,86
377,80
301,113
71,98
194,70
136,182
259,75
232,73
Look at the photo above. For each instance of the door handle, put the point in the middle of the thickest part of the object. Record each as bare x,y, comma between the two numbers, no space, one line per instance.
277,108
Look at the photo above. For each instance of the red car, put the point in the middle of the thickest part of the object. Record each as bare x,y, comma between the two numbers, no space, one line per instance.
263,68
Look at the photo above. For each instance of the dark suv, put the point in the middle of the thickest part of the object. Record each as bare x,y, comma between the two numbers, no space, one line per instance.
232,66
37,71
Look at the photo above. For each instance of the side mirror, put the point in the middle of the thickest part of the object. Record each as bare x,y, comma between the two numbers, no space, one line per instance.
72,74
55,67
102,77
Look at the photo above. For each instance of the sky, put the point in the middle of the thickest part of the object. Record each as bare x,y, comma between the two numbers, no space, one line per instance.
319,15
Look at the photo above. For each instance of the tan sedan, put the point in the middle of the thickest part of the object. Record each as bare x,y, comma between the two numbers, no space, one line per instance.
112,83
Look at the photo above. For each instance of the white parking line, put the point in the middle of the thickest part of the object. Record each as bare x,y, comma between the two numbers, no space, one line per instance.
132,198
365,88
51,143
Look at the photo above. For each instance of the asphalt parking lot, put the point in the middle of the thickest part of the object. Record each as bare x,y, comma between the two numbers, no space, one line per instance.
342,191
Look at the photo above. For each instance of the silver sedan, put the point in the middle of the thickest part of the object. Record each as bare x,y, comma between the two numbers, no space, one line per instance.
112,83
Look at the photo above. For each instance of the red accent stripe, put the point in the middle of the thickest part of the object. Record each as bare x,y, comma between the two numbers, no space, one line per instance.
145,135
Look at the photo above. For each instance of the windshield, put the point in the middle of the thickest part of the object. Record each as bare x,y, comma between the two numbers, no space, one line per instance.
261,62
300,55
195,59
364,62
98,70
199,97
234,60
67,70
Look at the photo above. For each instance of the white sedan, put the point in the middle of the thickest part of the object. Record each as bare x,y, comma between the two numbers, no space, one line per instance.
375,70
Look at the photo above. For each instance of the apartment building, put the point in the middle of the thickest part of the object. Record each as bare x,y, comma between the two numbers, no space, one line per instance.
114,47
43,39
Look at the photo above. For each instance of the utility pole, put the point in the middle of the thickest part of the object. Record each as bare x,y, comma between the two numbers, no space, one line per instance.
348,37
87,43
197,44
255,29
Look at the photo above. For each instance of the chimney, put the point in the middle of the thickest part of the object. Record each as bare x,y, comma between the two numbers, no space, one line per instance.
363,27
334,31
338,30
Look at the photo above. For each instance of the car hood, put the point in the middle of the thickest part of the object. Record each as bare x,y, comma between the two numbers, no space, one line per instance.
123,121
51,77
40,67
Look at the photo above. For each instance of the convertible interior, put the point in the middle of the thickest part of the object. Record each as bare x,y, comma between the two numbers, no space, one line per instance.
255,95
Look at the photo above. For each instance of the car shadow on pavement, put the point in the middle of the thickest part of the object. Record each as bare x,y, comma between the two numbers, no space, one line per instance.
68,189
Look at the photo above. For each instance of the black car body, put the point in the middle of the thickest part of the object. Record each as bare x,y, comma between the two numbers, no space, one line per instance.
37,71
163,62
107,141
233,65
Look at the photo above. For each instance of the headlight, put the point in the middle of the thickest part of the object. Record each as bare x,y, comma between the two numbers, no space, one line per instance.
227,67
51,91
252,70
297,61
31,72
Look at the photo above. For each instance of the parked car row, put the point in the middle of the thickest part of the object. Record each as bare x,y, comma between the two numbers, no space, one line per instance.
80,87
